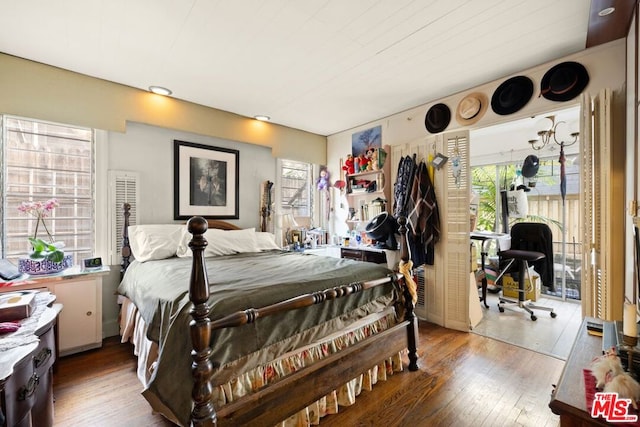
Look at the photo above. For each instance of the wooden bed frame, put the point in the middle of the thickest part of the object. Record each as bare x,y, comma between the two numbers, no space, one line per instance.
289,395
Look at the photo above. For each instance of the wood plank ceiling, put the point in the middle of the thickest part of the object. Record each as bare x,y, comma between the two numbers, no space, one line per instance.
322,66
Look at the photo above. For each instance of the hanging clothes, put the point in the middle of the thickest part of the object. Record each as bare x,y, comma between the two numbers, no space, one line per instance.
423,218
402,187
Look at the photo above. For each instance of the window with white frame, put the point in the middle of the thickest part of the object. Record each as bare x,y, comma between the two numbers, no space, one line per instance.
295,188
43,161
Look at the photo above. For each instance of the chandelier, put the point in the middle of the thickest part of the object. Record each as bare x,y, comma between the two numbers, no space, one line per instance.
551,134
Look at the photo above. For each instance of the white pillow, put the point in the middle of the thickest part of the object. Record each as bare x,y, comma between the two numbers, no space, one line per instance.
155,241
222,242
266,241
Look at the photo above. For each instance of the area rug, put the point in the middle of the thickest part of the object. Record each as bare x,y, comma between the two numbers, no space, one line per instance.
551,336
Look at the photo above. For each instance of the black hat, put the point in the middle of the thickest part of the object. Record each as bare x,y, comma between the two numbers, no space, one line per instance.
564,81
437,118
512,95
530,166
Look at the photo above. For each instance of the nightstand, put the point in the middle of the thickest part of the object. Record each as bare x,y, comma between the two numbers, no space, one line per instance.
80,324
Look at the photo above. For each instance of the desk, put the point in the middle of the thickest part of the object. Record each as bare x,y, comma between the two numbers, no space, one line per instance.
568,400
484,237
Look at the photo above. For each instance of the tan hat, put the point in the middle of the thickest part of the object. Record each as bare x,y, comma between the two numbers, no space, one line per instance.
471,108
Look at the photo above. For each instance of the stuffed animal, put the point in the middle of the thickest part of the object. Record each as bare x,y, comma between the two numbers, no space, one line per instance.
363,162
349,165
374,160
611,377
369,153
606,367
625,386
324,180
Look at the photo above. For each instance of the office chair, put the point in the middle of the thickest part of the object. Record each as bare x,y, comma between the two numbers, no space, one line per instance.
531,243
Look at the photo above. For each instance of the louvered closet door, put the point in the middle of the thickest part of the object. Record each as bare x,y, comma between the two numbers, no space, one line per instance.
603,264
588,178
454,214
443,296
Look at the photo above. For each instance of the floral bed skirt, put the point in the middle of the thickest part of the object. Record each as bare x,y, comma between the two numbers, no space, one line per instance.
133,329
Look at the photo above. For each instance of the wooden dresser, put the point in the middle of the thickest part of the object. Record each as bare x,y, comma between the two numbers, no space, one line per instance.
568,400
26,377
368,254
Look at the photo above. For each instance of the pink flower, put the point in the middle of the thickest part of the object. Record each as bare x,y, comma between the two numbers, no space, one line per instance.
50,205
40,210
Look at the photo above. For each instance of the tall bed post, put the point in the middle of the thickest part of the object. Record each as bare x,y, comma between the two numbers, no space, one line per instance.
126,249
410,316
203,414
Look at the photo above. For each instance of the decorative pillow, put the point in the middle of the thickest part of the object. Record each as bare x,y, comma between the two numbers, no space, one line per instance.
266,241
155,241
222,242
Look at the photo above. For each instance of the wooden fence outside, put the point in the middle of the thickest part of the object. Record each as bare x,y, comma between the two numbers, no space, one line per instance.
551,207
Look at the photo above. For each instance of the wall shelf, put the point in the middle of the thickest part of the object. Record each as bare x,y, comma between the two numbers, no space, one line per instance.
361,201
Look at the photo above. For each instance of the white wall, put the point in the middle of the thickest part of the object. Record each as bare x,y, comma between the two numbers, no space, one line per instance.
605,64
149,151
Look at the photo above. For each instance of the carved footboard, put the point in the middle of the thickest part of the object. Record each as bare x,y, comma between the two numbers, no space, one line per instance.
294,392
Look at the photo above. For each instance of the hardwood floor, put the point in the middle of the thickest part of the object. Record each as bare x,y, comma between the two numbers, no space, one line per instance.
464,380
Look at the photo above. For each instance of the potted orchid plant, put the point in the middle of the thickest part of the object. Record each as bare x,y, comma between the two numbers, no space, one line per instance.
46,256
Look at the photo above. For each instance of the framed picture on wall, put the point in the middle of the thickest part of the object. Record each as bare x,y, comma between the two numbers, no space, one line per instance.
366,140
205,181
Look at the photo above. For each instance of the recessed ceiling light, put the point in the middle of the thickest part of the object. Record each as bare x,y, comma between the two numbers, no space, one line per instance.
606,11
262,118
160,90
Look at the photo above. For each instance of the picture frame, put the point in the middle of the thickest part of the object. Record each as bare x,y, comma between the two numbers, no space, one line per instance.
205,181
366,140
296,236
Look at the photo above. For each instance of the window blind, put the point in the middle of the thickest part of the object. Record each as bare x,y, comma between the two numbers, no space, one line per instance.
41,161
296,187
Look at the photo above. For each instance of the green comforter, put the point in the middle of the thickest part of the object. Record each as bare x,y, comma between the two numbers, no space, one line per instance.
159,289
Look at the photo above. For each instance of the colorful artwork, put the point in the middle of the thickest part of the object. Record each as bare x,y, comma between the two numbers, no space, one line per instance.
366,141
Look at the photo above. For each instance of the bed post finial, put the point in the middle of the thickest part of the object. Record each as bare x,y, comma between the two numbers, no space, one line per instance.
203,413
126,249
263,219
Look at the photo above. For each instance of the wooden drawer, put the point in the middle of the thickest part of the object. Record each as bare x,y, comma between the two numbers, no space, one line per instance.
43,358
42,411
364,255
20,393
377,257
351,254
45,354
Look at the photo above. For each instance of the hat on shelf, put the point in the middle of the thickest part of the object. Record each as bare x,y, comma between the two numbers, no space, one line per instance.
530,166
471,108
437,118
564,81
512,95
